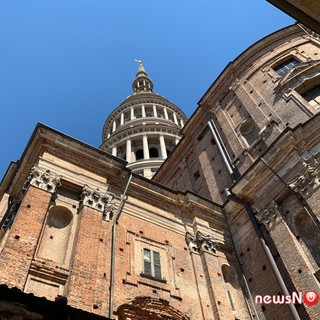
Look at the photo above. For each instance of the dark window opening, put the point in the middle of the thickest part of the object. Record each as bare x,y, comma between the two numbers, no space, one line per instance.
139,154
153,152
313,96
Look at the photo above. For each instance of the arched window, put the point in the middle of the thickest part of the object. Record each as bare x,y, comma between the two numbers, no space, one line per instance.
139,154
153,152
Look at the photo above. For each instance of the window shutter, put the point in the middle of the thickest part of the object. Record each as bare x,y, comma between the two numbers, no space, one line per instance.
147,262
157,265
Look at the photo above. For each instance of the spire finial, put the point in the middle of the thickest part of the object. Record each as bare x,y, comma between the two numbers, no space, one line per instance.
142,83
139,61
141,68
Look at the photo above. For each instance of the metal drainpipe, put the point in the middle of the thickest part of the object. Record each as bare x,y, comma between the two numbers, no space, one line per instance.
306,32
224,155
115,220
240,266
254,222
303,205
267,252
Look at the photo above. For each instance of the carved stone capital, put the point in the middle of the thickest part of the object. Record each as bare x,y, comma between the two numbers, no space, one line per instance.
191,242
308,180
270,216
42,179
98,200
201,242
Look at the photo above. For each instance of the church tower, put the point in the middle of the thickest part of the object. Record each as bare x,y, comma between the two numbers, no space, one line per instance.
144,129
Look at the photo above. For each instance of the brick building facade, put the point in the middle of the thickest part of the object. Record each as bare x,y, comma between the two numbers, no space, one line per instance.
232,213
253,146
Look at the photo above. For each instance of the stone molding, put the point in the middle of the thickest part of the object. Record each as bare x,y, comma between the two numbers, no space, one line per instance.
201,242
308,180
271,215
42,179
98,200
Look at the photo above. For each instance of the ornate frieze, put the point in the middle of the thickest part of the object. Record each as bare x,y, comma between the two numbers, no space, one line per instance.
270,216
201,242
308,180
42,179
98,200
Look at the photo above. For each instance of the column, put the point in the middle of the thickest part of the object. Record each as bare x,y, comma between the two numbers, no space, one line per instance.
121,119
145,147
181,123
155,111
163,147
108,135
114,151
177,140
132,113
143,111
175,118
128,151
165,113
114,126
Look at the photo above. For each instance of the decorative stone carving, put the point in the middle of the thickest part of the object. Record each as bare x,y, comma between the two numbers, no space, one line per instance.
8,219
271,215
108,210
207,243
308,180
98,200
42,179
191,242
201,242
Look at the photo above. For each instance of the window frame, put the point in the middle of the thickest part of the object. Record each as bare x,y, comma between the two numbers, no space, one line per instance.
284,63
153,273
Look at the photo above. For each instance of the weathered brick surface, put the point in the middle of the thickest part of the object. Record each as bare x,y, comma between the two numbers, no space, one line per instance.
82,289
20,247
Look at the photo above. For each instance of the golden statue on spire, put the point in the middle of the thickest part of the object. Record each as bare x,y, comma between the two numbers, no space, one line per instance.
139,61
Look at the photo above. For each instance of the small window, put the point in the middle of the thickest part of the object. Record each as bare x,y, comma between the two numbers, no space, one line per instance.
140,173
153,172
151,263
285,66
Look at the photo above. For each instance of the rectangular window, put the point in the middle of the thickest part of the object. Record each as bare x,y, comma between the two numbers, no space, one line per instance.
285,66
313,97
151,263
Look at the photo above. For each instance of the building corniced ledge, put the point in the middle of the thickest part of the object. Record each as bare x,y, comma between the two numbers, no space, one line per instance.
98,200
201,242
42,179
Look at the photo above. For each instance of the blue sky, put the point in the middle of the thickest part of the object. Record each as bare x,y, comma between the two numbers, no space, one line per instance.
69,63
